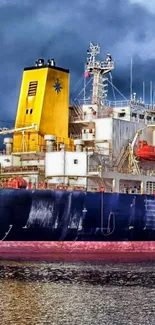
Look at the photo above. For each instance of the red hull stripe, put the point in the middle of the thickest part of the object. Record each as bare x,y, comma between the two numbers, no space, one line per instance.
78,250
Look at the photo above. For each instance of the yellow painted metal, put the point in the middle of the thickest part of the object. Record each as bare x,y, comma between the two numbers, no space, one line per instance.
44,100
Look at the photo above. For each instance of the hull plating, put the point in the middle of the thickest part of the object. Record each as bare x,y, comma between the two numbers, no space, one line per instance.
75,216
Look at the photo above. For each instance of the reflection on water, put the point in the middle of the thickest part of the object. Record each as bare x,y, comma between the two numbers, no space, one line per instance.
59,293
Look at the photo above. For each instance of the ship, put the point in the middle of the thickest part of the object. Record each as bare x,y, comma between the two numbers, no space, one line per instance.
79,173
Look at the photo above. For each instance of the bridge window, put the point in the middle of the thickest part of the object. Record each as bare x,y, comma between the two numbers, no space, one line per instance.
75,161
148,118
134,115
150,187
121,114
141,116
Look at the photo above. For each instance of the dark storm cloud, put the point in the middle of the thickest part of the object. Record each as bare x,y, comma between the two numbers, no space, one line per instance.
31,29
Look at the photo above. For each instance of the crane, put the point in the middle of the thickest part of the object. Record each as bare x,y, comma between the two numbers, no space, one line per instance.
22,129
129,152
137,134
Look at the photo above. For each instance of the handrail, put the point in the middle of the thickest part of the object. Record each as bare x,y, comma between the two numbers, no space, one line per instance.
121,171
90,116
121,103
13,169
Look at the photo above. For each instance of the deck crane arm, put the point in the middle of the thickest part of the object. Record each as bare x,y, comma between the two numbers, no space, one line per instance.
138,133
22,129
135,139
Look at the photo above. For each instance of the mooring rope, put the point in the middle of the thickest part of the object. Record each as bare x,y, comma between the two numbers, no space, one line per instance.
7,233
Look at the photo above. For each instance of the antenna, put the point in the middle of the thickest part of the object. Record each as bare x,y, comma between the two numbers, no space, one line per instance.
144,91
153,97
98,69
131,68
151,94
84,89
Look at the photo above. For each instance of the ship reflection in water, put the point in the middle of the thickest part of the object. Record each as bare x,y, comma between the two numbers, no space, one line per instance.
46,293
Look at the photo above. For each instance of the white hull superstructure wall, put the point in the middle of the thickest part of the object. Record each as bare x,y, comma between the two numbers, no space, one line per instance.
9,160
103,134
123,131
64,167
112,134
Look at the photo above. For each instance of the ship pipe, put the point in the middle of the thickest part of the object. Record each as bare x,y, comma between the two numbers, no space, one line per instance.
111,214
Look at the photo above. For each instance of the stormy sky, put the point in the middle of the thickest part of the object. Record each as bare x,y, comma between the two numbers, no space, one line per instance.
30,29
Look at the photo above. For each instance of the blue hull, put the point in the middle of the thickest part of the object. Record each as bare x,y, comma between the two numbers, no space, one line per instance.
67,216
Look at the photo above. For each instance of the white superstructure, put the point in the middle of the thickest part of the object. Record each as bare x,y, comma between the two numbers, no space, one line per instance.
105,134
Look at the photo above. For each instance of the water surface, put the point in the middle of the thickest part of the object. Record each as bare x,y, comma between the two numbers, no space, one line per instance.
76,293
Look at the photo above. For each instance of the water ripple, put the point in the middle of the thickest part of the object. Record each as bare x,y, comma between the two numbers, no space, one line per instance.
77,294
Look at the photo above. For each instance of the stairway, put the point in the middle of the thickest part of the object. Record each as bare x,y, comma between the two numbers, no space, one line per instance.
78,110
121,158
134,163
124,154
98,182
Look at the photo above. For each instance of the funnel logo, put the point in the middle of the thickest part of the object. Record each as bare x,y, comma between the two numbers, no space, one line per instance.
57,86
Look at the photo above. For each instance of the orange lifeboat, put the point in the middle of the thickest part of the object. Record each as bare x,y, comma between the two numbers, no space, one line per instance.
145,151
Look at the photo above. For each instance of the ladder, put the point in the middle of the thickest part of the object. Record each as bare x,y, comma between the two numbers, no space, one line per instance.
78,110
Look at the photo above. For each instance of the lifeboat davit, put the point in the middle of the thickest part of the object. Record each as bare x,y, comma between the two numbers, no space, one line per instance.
145,151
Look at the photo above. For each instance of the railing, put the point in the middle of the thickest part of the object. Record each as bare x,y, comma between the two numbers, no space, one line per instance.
86,118
133,104
24,169
64,187
98,169
90,116
92,169
100,65
42,151
144,120
121,103
101,169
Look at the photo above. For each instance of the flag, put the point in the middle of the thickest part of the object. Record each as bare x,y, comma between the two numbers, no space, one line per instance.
87,75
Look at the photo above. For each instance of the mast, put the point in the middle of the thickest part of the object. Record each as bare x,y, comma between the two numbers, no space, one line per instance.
84,90
98,69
